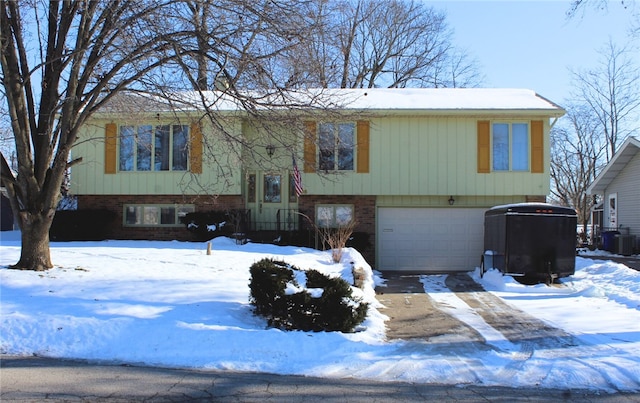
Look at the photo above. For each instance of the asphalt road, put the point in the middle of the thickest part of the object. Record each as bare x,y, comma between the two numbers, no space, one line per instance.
37,379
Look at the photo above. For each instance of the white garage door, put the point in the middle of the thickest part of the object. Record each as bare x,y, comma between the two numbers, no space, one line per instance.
429,239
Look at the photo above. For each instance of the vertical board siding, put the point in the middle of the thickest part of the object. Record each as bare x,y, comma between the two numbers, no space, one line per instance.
90,176
427,156
407,156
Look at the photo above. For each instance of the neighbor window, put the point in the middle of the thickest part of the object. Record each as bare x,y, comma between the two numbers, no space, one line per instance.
154,148
150,215
333,216
510,145
336,144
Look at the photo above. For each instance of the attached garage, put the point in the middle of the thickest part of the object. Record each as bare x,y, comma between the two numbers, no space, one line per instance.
429,240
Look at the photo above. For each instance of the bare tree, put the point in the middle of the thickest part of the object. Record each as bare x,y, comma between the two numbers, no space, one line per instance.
87,53
579,7
576,154
611,91
386,43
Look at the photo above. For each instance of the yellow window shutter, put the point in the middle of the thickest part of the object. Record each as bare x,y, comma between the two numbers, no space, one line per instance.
484,147
537,146
195,151
110,148
362,146
310,146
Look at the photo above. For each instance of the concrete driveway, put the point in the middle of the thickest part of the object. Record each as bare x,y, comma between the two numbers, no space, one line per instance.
415,316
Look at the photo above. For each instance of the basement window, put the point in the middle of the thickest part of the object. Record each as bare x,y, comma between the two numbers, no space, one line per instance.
334,215
155,215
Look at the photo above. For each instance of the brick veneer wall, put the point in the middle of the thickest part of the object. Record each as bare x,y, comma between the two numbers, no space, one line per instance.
116,204
364,211
536,199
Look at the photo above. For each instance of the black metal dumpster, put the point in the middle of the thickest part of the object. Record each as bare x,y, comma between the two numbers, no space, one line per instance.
533,241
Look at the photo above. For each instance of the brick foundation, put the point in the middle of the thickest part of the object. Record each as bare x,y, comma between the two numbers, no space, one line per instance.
364,211
116,204
536,199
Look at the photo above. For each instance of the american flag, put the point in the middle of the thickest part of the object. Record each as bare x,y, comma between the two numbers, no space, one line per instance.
297,179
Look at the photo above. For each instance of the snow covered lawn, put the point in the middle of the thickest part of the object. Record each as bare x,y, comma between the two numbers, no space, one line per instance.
169,304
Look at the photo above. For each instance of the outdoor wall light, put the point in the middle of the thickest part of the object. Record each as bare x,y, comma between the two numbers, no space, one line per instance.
451,200
270,150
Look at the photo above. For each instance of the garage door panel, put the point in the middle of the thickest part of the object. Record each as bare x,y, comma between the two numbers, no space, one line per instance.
429,239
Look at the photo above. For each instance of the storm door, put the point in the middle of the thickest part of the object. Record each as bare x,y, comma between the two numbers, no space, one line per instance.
266,194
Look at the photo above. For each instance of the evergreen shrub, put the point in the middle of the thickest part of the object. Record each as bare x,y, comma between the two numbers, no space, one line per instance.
81,225
335,310
206,225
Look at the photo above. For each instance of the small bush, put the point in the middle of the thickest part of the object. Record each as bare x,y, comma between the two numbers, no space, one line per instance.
206,225
335,310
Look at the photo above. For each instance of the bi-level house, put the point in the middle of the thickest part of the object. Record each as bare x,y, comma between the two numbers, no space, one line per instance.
415,168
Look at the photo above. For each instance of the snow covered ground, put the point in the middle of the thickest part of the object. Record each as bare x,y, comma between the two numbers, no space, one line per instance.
170,304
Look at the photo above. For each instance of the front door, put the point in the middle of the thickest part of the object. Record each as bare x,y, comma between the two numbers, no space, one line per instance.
268,198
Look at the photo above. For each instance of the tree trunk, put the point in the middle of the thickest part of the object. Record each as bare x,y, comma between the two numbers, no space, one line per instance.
35,253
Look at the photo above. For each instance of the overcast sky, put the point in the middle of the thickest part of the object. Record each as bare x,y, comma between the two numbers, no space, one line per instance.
531,44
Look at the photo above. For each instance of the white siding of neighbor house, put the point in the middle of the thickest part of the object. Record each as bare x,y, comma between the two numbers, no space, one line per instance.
627,186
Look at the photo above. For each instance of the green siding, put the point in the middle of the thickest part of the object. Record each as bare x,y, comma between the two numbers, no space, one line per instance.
88,177
409,155
428,156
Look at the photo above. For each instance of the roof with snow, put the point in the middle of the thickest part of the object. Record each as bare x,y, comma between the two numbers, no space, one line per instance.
437,100
447,99
628,150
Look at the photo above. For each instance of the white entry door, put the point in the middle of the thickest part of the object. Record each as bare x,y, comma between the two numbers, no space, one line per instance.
429,240
268,196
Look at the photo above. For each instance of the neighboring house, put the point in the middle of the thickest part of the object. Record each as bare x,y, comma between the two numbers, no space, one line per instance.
416,169
619,186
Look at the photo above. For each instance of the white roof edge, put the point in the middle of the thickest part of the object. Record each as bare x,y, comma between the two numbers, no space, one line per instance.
596,186
444,100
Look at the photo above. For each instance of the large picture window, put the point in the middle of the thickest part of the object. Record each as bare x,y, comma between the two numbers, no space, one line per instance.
336,144
510,145
154,148
152,215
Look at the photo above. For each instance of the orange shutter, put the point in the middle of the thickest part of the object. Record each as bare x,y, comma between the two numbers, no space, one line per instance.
110,148
484,147
309,146
195,151
537,146
363,146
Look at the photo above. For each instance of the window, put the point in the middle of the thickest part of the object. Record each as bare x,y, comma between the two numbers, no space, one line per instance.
157,148
251,188
336,143
333,216
271,189
151,215
510,145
